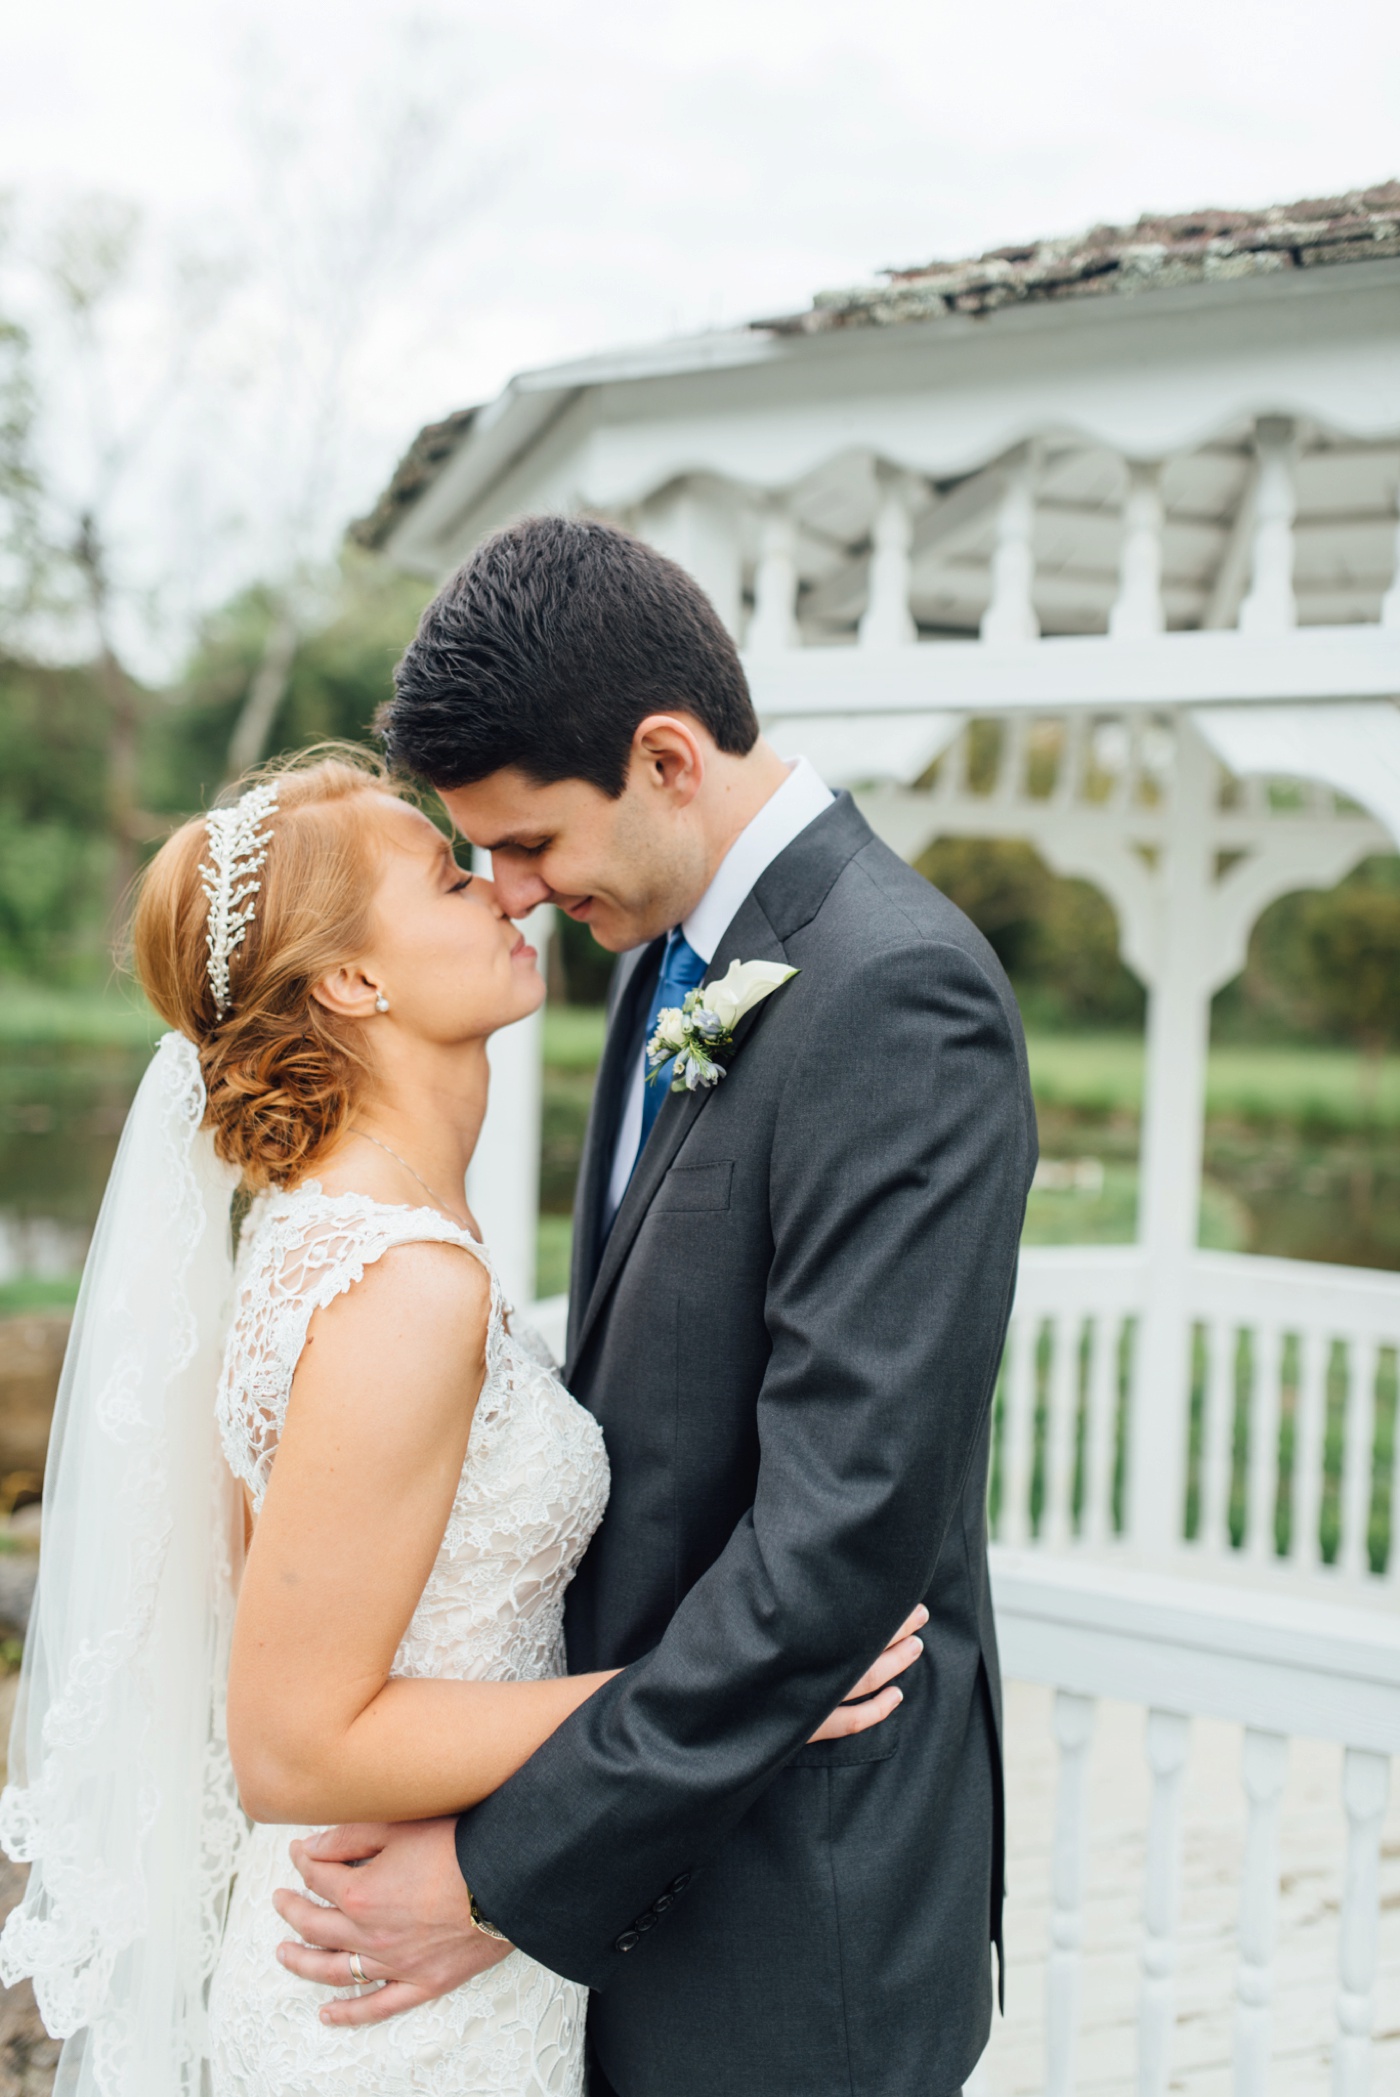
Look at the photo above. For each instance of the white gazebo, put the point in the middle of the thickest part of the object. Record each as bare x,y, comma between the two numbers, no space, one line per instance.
1135,499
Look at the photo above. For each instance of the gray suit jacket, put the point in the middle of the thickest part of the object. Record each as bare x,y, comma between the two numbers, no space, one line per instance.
791,1338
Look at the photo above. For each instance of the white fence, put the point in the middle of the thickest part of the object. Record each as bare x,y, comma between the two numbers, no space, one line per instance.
1280,1665
1289,1410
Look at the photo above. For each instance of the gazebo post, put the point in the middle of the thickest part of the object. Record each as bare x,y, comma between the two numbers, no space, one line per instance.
1173,1134
503,1185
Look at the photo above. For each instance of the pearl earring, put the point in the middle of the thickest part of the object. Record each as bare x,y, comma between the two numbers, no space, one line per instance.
381,1003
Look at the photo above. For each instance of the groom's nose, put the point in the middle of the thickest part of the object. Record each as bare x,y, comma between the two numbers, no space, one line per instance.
518,888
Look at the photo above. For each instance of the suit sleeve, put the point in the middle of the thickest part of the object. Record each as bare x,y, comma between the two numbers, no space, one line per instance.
900,1162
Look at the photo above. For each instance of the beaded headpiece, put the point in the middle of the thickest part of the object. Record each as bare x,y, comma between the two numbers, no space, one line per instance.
237,848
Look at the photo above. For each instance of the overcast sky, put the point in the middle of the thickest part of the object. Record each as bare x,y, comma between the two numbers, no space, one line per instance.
590,172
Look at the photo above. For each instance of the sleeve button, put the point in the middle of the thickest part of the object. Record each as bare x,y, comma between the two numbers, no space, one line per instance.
646,1922
678,1885
662,1903
628,1941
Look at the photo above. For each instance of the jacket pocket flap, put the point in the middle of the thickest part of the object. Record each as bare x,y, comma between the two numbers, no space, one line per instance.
687,1188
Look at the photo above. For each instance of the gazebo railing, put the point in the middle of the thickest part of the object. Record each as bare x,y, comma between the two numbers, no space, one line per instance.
1290,1415
1186,1648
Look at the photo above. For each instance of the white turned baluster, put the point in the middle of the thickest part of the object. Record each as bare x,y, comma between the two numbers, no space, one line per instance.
1011,757
1018,1428
1357,1455
1138,610
1392,1565
1074,1726
887,621
1073,755
1365,1786
1100,1436
1058,1524
1217,1452
1262,1506
774,622
1390,603
1011,614
1305,1542
1271,606
1265,1764
1167,1734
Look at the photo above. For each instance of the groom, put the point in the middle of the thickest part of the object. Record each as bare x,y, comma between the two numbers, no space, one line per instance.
789,1297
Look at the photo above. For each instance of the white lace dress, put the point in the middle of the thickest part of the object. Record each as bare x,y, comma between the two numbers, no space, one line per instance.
532,1492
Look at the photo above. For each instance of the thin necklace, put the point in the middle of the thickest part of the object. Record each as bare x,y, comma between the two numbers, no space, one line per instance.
437,1198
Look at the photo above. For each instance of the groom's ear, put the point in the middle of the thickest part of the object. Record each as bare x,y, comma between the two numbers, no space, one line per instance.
347,992
668,757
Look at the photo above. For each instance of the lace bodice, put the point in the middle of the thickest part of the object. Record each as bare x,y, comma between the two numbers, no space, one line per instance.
532,1492
535,1480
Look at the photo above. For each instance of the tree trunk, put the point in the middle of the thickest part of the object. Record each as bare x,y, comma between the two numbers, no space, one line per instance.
265,695
123,702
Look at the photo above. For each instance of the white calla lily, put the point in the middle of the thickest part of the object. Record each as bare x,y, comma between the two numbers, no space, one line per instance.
746,984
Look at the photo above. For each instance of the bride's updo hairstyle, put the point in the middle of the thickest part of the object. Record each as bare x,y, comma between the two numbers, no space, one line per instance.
282,1073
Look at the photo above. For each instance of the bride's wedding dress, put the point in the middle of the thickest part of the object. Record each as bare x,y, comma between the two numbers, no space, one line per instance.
532,1492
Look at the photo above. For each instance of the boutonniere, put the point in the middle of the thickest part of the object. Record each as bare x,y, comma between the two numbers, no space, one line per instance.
694,1035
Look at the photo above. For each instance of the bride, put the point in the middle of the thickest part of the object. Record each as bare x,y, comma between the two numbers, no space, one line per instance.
354,1402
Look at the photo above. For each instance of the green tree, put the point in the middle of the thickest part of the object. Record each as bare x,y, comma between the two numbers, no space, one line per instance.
1056,938
54,851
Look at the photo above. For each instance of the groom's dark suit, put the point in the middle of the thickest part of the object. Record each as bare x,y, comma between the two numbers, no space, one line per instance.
791,1337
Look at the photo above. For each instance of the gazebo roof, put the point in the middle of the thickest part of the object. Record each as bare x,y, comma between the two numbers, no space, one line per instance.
1204,254
1190,247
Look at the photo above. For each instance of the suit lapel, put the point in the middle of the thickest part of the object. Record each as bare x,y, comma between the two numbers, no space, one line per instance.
636,975
750,937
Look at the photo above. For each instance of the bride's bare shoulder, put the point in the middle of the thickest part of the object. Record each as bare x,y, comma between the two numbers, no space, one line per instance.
412,1328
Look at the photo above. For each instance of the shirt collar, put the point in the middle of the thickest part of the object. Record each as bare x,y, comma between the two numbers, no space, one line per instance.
799,801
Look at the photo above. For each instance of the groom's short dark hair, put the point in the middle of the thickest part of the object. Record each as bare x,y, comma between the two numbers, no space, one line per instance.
548,648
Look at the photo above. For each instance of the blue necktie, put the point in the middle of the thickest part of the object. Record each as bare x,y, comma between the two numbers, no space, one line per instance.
681,970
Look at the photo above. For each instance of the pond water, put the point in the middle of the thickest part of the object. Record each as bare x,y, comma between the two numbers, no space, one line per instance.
1271,1189
61,1112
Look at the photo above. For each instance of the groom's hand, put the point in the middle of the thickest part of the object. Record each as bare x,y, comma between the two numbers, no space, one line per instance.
398,1900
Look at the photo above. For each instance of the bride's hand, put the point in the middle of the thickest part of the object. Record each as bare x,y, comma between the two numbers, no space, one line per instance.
875,1696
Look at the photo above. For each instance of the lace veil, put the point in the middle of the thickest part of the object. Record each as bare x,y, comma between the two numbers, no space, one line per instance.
121,1796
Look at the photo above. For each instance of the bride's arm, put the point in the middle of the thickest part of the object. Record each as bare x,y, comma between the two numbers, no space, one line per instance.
367,1467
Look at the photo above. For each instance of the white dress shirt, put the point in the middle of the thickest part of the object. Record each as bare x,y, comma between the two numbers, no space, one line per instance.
799,801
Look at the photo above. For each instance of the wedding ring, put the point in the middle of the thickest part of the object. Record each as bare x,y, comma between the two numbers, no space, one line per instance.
357,1971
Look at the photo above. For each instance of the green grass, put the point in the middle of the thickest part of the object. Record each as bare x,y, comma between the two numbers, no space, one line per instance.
33,1015
552,1242
1102,1073
573,1036
29,1294
1109,1217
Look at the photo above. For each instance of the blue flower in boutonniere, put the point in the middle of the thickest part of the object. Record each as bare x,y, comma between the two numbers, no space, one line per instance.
696,1034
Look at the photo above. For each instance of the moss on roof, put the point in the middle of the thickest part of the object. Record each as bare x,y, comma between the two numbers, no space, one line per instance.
1188,247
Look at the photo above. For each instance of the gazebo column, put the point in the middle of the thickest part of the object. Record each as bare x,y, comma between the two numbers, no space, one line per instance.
1011,615
1137,612
774,622
1270,607
887,621
503,1185
1173,1137
1390,603
695,523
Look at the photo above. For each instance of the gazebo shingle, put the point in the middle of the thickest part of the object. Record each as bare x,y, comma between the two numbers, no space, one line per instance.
1186,248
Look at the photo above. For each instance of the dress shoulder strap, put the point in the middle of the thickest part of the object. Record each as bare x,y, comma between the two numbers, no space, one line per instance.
302,1249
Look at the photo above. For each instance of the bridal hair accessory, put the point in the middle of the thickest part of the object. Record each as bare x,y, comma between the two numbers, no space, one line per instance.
696,1034
238,849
